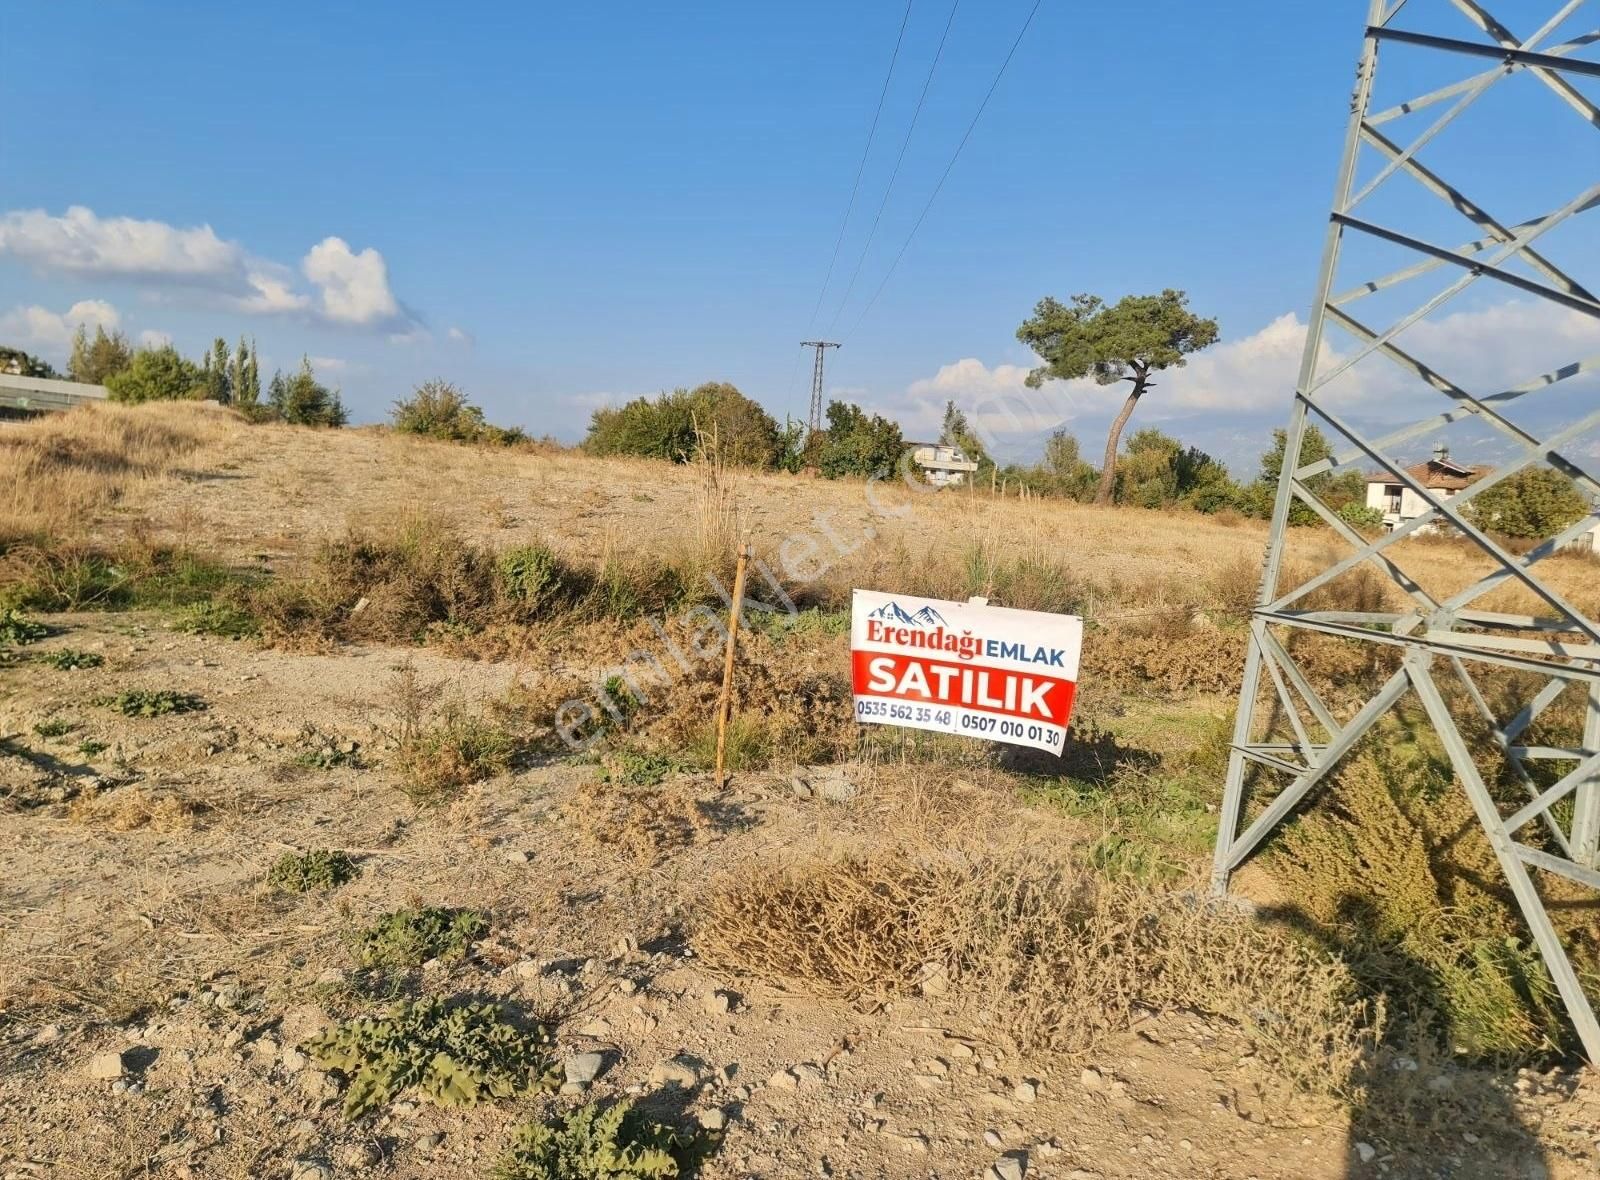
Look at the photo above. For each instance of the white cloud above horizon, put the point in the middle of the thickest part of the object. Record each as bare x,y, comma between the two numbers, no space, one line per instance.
349,288
40,329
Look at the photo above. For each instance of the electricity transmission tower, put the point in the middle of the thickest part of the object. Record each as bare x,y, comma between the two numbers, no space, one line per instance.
1477,652
815,422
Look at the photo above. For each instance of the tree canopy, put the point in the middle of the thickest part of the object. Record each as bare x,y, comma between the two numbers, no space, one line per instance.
674,425
93,361
859,444
14,360
1129,340
439,410
157,374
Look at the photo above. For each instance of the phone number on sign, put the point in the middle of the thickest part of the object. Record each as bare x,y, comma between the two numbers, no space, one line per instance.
922,713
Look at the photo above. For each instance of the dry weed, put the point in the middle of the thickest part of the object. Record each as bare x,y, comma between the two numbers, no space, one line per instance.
1036,952
127,809
642,824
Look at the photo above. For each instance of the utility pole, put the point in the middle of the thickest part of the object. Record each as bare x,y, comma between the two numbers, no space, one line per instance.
821,346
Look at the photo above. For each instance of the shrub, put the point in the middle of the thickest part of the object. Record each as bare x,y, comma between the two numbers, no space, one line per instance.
533,577
439,410
410,937
448,1054
436,760
676,426
141,702
1359,516
855,444
156,374
17,629
301,400
68,659
320,868
598,1142
53,728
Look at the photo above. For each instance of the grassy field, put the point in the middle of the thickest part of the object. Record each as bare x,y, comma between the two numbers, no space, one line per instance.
232,644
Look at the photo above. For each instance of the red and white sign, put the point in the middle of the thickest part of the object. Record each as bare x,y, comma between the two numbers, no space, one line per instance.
958,667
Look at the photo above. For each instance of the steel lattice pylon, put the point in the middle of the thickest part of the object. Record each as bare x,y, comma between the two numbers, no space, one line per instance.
1457,668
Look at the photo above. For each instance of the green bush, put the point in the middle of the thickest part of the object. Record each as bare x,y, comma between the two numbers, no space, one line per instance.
598,1142
157,374
855,444
141,702
675,425
68,659
320,868
410,937
53,728
18,630
1359,516
439,410
533,577
445,1053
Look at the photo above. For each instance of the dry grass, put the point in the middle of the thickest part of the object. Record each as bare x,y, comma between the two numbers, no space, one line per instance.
58,472
1035,951
127,809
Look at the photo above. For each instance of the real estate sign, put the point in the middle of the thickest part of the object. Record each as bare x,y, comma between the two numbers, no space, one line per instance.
962,667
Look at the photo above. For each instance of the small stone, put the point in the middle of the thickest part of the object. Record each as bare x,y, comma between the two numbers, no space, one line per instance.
230,996
518,856
583,1068
48,1035
933,979
718,1003
783,1080
233,1037
1185,1145
627,987
331,977
310,1170
1025,1091
712,1120
809,1075
680,1071
1091,1079
361,1155
292,1060
913,1142
840,790
1469,1137
106,1066
960,1049
991,1138
1049,1149
1366,1152
430,1141
801,788
1007,1167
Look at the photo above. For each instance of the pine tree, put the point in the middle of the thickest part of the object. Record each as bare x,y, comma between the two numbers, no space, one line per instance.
249,392
216,371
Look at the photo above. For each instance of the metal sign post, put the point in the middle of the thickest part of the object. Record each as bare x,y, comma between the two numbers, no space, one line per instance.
1287,739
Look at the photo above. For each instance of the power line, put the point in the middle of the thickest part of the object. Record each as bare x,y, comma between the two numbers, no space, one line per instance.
855,188
945,175
894,174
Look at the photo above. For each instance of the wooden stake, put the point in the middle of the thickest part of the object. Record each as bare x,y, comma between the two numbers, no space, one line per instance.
725,705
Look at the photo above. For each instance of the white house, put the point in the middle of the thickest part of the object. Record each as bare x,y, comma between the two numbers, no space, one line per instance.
1440,475
942,465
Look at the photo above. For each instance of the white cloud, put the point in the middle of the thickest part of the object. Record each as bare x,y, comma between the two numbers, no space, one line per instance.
80,242
155,338
462,336
40,328
349,288
328,364
355,287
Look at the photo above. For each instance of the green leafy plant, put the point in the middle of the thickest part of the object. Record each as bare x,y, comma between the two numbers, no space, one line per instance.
320,868
90,748
216,618
144,702
446,1053
598,1142
410,937
319,751
69,659
532,576
16,629
53,728
638,768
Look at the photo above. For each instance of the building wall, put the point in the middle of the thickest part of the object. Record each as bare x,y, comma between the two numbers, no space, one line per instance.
1397,510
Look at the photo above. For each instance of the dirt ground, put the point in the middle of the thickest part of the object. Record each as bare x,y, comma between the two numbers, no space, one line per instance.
135,916
162,940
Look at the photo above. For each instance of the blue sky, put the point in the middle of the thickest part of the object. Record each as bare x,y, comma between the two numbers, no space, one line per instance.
557,206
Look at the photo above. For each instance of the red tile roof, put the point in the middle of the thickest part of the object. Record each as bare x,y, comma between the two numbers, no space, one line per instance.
1439,476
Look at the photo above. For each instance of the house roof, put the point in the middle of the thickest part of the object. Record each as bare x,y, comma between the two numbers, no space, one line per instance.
1439,474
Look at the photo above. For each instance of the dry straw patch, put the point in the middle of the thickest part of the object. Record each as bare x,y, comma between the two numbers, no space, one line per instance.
1036,952
127,809
57,472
